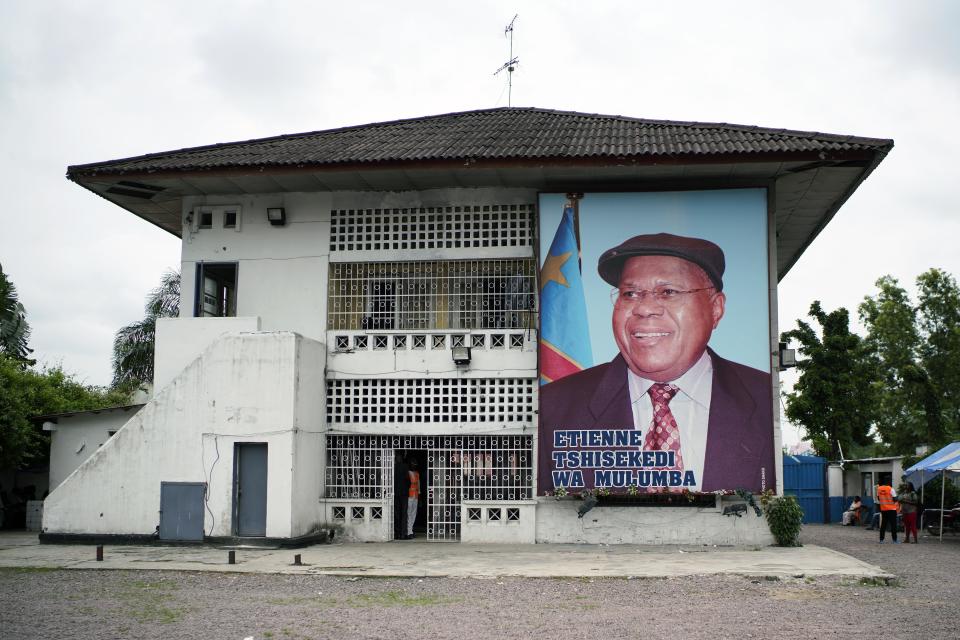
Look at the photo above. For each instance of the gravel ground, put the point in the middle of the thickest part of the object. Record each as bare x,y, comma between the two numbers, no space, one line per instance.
97,604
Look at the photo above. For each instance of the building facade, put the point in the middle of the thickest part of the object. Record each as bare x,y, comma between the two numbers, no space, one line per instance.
359,298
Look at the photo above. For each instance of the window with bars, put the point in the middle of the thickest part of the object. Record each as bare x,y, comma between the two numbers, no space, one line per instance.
454,294
355,470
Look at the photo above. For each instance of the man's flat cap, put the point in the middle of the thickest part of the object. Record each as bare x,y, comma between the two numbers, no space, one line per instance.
702,253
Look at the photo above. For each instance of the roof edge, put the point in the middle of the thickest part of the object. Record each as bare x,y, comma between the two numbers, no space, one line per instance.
879,143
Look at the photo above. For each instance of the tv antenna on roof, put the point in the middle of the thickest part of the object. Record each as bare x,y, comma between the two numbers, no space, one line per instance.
511,63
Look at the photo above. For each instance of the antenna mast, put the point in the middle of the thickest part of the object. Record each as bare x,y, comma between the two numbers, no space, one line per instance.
511,63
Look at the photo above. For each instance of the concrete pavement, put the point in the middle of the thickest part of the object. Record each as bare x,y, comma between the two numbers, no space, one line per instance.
418,558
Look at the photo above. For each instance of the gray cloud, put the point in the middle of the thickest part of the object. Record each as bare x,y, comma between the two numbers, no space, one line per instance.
89,81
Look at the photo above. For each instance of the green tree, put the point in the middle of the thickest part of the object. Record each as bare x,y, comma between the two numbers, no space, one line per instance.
834,398
14,329
939,323
26,392
133,345
918,351
893,338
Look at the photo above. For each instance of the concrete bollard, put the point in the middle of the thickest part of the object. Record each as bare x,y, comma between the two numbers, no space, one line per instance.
296,560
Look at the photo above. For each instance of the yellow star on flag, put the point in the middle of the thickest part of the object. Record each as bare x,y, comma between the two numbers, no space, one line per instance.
551,270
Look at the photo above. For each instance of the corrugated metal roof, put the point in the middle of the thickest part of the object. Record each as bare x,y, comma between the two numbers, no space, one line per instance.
508,133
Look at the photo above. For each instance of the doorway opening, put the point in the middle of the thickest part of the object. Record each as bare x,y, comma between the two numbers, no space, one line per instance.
410,460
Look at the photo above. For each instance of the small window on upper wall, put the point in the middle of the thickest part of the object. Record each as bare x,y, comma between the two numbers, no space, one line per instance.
219,216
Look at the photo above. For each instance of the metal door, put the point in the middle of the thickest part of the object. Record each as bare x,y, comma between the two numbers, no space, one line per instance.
443,494
250,489
804,478
181,510
386,492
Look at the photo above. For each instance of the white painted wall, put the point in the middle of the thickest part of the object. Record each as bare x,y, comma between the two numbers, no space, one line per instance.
557,522
835,481
242,389
409,362
351,529
503,531
282,271
310,440
73,439
180,341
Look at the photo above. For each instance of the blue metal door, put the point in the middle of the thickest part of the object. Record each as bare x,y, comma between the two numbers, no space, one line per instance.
181,510
250,486
805,478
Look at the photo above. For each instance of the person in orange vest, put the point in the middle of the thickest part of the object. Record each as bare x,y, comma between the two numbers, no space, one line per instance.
413,497
887,500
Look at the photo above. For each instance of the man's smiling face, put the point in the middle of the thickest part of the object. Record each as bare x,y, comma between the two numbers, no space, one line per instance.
660,340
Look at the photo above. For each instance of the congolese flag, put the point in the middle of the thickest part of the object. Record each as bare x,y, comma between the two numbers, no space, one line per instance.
564,333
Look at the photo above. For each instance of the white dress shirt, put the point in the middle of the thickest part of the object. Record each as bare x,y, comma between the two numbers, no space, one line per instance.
690,407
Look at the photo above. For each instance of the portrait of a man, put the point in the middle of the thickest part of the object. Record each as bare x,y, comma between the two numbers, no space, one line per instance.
666,390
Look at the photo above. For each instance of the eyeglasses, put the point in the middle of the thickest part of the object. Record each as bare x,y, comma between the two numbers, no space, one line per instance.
664,295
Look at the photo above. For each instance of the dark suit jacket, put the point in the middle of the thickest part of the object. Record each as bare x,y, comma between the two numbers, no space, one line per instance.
739,441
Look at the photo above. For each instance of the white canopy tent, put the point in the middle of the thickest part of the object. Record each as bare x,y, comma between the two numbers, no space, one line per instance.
946,462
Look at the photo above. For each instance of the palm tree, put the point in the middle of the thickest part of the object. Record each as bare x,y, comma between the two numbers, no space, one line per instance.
133,344
14,330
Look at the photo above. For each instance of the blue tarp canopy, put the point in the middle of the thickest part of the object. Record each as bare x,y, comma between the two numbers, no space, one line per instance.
947,459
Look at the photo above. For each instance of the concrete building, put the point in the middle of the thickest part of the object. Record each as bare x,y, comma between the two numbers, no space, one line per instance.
76,435
355,295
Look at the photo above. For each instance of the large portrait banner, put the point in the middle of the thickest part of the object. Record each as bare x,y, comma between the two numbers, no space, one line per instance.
655,343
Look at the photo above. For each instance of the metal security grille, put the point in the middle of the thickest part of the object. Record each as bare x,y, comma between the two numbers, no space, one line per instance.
505,225
454,401
455,294
361,468
458,468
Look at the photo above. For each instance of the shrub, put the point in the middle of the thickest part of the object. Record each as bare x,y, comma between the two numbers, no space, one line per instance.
784,517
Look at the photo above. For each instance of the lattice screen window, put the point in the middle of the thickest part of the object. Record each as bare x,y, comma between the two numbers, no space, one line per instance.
376,513
473,513
454,294
431,228
450,400
513,514
478,340
380,342
339,513
493,515
356,513
399,342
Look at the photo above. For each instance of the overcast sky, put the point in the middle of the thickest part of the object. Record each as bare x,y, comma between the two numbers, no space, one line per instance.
86,81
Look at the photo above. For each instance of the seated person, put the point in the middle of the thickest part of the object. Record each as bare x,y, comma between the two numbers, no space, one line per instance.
852,515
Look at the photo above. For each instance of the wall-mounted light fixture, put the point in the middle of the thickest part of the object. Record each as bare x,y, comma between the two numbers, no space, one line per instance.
461,355
788,357
277,216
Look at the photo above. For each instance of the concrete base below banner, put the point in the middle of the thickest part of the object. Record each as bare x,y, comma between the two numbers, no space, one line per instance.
558,522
